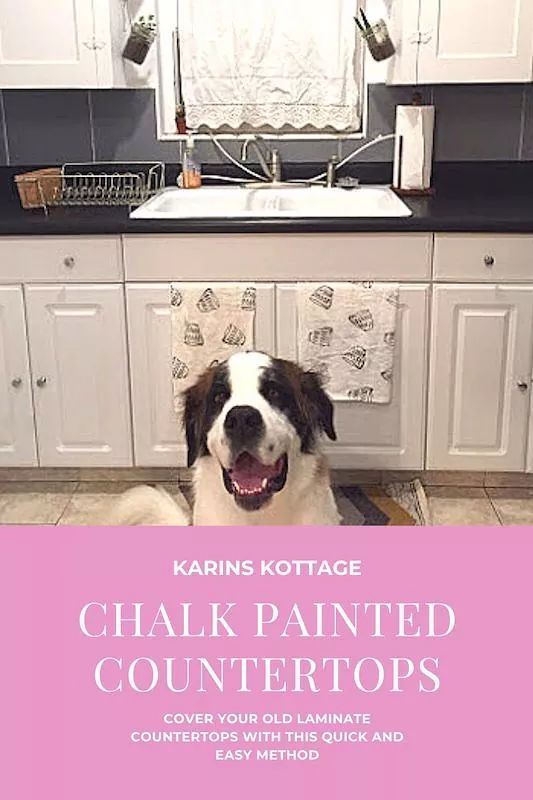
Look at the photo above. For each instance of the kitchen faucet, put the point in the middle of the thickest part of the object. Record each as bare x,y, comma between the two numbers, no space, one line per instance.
272,172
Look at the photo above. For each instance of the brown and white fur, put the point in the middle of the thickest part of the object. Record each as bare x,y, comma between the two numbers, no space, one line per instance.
253,427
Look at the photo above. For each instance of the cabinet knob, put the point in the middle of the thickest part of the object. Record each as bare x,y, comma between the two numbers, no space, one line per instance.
523,385
41,381
16,382
69,261
489,261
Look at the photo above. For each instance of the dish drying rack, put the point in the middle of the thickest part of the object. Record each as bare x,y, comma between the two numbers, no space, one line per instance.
91,184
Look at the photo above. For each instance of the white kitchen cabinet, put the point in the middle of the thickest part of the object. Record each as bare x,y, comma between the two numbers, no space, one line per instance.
462,41
78,353
46,44
68,44
480,377
61,259
158,436
17,437
380,436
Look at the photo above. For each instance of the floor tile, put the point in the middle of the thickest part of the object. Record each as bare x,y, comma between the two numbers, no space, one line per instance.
33,503
40,474
129,474
513,506
359,477
91,502
436,477
454,505
401,476
515,480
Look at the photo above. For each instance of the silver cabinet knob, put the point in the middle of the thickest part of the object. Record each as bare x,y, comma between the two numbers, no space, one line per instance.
69,261
489,261
16,382
523,385
41,381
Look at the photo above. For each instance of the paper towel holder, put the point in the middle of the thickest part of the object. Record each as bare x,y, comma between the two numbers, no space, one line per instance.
429,192
421,152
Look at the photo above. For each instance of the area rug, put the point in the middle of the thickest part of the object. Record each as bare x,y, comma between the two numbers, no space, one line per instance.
394,504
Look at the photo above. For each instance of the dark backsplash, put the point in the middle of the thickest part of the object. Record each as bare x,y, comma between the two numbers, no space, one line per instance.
473,123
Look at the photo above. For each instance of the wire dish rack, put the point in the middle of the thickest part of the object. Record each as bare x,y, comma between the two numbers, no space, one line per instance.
91,184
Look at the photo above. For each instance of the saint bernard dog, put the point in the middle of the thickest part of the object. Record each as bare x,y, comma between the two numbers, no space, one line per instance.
253,426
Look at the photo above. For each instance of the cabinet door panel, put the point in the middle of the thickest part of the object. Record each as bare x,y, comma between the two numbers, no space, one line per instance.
47,45
80,375
158,437
468,43
481,354
381,436
17,436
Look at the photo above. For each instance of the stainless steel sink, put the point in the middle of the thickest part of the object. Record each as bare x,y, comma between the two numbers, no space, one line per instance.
228,202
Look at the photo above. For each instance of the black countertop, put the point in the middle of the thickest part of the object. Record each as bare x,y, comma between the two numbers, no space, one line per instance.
476,197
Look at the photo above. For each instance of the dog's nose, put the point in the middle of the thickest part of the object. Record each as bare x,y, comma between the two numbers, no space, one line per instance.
243,424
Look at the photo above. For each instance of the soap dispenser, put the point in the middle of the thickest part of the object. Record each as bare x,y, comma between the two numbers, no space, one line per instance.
191,170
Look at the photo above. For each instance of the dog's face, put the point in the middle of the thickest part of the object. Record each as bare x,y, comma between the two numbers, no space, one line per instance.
251,413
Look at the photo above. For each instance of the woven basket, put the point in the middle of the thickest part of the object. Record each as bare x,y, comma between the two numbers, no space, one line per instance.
39,188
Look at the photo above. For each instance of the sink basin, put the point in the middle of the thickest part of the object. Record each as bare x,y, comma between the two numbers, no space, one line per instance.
227,202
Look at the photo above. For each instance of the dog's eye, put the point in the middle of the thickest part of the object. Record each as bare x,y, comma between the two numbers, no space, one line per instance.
272,393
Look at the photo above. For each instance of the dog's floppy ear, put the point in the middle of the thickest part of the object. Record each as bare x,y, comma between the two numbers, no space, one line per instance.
191,422
319,406
194,414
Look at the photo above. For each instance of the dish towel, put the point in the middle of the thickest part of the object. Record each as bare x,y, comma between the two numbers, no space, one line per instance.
208,324
257,62
346,332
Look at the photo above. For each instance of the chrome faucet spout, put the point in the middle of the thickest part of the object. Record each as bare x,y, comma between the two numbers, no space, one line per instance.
272,171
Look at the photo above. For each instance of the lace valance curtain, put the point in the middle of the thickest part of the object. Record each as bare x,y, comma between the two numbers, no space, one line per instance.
276,63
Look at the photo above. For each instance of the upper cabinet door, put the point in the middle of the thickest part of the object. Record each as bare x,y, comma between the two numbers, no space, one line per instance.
472,41
47,44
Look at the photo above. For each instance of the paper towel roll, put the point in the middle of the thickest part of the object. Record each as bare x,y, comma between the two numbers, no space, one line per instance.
413,150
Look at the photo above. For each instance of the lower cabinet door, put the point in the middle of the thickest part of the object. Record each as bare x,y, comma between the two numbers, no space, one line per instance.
480,383
17,431
78,351
158,435
380,436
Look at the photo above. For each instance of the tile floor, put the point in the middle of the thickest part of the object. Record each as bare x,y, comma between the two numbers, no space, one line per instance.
60,503
84,502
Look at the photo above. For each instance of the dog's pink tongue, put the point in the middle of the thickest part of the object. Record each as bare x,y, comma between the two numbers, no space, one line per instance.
249,473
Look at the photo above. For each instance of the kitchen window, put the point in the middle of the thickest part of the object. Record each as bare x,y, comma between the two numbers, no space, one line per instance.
242,67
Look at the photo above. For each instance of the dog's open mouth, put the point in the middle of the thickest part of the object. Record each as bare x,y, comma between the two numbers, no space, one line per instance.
253,483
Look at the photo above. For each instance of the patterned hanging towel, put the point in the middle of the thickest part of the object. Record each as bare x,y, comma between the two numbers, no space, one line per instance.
208,324
346,332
